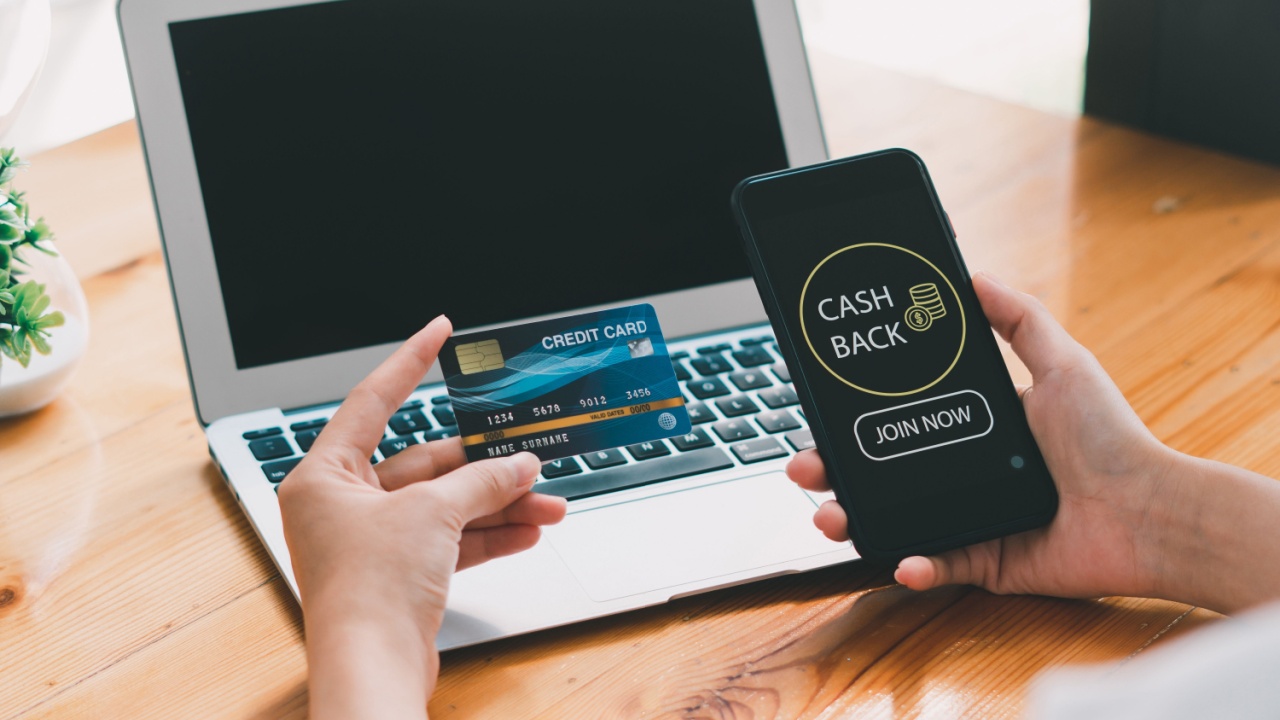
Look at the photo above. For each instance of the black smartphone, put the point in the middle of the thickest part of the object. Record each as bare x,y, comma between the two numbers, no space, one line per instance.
898,372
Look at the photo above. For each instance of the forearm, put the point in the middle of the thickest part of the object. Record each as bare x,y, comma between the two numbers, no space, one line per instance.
1220,537
365,667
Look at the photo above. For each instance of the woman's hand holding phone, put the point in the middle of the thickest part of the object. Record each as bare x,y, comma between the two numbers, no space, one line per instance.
1116,481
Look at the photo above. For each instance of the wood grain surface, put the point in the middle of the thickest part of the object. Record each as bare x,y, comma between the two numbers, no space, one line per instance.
132,587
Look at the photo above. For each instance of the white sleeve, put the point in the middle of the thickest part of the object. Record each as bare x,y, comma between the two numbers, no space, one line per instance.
1228,670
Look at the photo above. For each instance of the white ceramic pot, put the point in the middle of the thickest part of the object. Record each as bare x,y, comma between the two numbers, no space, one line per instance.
23,390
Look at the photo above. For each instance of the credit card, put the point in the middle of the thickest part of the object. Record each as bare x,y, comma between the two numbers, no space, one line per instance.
562,387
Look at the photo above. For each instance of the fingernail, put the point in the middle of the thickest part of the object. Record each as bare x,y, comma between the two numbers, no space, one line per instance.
526,465
992,277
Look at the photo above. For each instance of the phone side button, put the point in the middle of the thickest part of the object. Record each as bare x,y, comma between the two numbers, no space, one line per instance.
950,225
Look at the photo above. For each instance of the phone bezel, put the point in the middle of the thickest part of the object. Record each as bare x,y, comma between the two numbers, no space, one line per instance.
865,544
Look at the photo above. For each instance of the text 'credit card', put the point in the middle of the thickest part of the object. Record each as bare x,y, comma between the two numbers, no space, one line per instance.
562,387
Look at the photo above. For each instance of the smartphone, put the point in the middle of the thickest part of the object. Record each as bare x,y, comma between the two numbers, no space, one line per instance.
899,375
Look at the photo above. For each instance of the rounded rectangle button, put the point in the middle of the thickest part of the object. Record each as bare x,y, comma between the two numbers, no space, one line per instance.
923,425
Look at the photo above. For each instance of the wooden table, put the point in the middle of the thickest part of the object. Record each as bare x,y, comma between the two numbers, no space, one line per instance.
131,586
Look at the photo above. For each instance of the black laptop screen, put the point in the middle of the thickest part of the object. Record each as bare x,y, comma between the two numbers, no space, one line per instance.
368,164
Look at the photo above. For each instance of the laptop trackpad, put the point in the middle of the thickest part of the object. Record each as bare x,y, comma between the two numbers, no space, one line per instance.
697,534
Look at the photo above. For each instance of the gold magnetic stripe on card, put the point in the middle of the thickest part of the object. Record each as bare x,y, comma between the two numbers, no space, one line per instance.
583,419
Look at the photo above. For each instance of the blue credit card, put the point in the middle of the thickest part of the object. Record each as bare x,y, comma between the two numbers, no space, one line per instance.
567,386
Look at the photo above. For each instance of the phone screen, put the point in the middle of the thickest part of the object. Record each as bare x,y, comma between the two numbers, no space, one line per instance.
914,405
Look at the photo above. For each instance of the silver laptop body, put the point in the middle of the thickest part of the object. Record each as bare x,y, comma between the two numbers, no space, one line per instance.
329,176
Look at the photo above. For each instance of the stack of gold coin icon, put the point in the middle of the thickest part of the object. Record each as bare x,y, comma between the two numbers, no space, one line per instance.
926,306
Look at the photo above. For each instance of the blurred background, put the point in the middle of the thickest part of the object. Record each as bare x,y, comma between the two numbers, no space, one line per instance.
83,87
1031,53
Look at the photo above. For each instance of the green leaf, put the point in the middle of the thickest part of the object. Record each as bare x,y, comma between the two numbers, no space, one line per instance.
20,348
51,320
12,226
9,164
40,343
38,306
39,232
46,250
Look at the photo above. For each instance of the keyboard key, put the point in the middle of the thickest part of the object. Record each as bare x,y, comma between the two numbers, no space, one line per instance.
440,434
707,388
731,430
648,450
682,372
766,448
637,474
679,355
711,365
750,380
699,413
800,439
411,405
305,439
779,397
694,440
309,424
407,423
604,459
736,406
560,468
396,445
275,471
756,341
752,356
440,400
271,448
714,349
259,434
782,371
777,421
444,416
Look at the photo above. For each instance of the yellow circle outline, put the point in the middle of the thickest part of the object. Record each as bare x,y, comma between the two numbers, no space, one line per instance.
963,324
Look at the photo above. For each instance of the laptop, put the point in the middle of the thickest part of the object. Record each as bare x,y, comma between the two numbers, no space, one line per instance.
329,176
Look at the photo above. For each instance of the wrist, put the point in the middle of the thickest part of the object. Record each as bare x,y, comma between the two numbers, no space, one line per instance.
1214,531
1169,518
367,657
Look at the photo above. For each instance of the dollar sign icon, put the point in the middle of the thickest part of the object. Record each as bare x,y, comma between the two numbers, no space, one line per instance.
918,318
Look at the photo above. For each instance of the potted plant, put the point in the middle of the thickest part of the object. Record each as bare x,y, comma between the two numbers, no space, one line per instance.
42,310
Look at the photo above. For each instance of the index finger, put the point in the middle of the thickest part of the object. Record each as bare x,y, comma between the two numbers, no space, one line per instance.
807,471
359,423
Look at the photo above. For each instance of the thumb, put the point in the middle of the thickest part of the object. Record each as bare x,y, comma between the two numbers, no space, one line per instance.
486,486
965,566
1027,325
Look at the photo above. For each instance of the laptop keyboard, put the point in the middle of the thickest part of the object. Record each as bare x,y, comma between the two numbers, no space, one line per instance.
739,397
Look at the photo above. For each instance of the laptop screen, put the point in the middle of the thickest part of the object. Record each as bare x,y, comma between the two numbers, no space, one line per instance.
368,164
